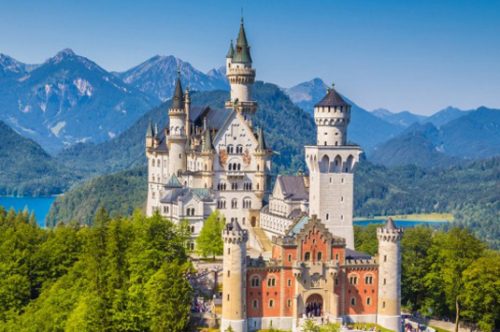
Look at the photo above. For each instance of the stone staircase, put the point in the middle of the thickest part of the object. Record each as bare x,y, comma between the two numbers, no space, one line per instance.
262,238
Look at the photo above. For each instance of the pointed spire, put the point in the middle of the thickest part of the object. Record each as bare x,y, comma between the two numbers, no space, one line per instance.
390,224
260,140
150,130
178,98
156,130
230,52
206,144
242,52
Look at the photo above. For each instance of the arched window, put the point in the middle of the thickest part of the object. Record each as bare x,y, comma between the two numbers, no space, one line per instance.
192,229
230,166
307,256
353,280
255,281
234,203
255,304
271,303
353,301
230,149
221,204
369,279
324,164
247,203
368,301
319,256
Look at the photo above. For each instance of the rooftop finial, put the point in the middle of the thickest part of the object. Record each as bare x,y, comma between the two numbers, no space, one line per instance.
242,15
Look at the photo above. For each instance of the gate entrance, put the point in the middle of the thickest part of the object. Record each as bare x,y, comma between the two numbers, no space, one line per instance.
314,306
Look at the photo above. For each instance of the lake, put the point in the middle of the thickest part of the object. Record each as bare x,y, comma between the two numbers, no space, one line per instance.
401,223
39,205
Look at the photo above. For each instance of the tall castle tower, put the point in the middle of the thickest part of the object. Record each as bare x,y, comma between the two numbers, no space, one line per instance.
234,280
389,276
241,76
177,137
331,164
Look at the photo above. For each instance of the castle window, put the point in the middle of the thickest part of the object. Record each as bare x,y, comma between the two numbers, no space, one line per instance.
239,149
192,229
230,149
353,301
353,280
368,301
221,204
307,256
289,282
341,198
229,251
271,303
337,257
369,280
255,281
255,304
385,258
289,258
326,217
234,203
228,273
319,256
234,186
228,297
247,203
384,281
289,303
383,304
191,246
271,282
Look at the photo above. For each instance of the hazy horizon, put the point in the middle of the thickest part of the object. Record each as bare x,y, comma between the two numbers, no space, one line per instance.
421,57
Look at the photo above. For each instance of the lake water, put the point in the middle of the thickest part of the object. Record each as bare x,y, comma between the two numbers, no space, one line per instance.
401,223
39,205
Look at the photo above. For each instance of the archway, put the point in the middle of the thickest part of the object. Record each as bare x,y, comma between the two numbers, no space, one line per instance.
253,221
314,306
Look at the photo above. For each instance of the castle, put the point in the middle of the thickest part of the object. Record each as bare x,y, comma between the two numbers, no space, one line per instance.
302,261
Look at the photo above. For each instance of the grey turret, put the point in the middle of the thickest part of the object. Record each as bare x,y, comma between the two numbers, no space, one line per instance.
178,98
242,51
230,52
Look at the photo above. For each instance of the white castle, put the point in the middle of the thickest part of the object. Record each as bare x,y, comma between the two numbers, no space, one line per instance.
208,159
299,238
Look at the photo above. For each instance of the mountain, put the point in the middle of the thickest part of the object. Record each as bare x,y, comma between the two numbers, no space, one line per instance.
67,99
11,68
26,169
418,145
446,115
365,128
306,94
156,77
403,119
277,115
475,135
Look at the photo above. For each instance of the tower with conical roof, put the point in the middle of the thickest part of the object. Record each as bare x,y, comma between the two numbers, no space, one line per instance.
241,75
389,276
331,164
177,137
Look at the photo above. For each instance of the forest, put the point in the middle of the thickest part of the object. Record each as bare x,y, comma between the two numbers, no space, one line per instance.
445,274
122,274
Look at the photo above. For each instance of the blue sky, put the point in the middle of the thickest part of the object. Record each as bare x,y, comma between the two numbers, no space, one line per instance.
402,55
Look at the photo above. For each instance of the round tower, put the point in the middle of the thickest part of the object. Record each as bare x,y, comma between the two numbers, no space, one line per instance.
389,276
177,132
332,116
234,278
241,75
331,163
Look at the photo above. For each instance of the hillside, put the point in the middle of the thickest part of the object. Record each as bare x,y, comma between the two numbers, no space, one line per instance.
68,99
26,169
278,114
156,77
418,145
444,116
378,191
475,135
119,193
404,118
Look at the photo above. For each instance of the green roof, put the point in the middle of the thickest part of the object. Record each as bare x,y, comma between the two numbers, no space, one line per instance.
174,182
242,52
260,140
150,130
230,52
